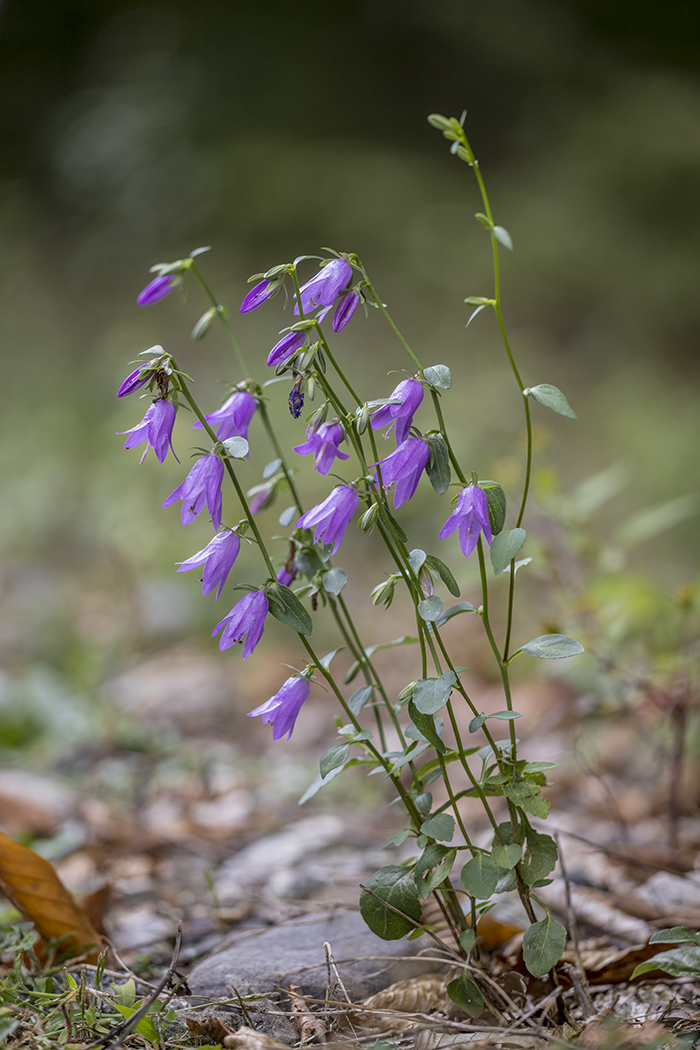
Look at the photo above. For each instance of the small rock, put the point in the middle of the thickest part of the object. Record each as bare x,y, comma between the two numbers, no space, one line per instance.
293,953
671,893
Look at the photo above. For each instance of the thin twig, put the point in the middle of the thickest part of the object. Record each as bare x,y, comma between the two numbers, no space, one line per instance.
581,983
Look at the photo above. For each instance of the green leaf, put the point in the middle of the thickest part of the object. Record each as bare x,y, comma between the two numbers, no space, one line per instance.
332,758
416,558
204,323
552,647
480,876
527,797
236,447
504,548
543,945
679,962
441,826
541,856
676,935
538,767
359,698
334,580
484,220
466,995
398,839
395,886
287,516
286,607
325,661
552,397
477,722
432,867
438,376
394,523
444,573
467,939
430,608
425,724
497,505
454,610
144,1027
316,785
508,855
474,313
431,694
503,237
438,468
271,468
505,716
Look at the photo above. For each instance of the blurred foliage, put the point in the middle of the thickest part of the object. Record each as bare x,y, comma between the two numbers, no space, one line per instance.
133,132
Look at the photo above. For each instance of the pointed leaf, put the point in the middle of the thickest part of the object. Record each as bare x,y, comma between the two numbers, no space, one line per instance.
552,397
394,885
441,826
553,647
541,856
527,797
505,716
334,580
543,945
480,876
444,573
432,867
431,694
286,607
497,505
438,468
504,238
504,548
679,962
477,722
271,468
287,516
454,610
359,698
676,935
425,724
32,885
466,995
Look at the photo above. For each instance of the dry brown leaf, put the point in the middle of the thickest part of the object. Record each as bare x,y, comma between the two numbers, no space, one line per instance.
35,889
212,1028
248,1039
310,1027
418,995
492,933
608,1032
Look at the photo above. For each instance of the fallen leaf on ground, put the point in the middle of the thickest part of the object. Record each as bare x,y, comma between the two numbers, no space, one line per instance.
310,1027
35,889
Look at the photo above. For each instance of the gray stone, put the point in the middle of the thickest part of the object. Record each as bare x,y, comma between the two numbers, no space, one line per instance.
293,953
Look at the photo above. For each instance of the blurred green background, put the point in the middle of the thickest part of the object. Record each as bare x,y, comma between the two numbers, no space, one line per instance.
135,132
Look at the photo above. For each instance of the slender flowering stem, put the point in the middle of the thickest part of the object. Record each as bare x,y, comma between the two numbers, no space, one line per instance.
387,317
223,318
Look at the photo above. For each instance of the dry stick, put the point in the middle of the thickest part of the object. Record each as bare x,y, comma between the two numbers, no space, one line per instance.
123,1030
581,983
330,964
414,922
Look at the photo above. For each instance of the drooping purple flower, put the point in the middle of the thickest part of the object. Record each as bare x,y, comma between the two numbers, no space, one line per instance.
156,429
245,621
283,708
201,487
345,309
332,517
257,295
286,577
404,466
284,349
157,289
217,558
410,391
470,517
134,381
233,417
324,287
324,443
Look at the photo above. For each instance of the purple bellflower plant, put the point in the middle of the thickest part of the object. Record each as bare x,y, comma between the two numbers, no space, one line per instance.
345,309
324,287
404,466
245,621
158,288
324,443
332,517
284,349
156,429
283,708
470,517
201,487
234,416
134,381
258,295
400,417
217,558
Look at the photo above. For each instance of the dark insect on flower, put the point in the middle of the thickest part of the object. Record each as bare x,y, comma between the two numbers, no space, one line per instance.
296,400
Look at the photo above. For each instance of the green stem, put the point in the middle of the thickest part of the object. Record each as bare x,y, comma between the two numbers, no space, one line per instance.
280,455
224,320
388,319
